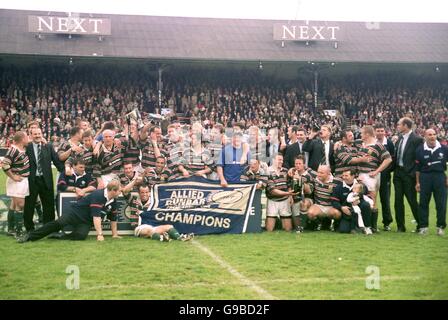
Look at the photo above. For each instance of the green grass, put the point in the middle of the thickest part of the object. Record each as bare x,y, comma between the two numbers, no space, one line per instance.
286,265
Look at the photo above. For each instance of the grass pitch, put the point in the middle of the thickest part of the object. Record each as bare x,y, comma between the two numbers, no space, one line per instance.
278,265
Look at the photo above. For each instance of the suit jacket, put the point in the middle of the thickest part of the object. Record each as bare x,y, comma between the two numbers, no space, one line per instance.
292,151
49,155
315,148
409,154
391,149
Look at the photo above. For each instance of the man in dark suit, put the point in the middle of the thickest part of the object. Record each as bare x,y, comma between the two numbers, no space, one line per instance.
41,178
385,184
404,175
320,149
296,139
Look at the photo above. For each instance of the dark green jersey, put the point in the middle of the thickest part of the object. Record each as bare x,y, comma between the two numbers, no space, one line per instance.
343,155
17,161
296,185
324,190
376,151
277,181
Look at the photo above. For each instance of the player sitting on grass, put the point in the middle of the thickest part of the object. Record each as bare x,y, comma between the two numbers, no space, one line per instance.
139,205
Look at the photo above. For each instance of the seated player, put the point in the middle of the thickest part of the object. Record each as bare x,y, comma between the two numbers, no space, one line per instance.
139,205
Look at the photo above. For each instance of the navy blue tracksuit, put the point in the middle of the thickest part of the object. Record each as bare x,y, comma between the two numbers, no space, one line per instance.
432,166
81,182
80,217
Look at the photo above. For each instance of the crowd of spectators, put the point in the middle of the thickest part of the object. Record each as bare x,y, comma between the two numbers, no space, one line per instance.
57,96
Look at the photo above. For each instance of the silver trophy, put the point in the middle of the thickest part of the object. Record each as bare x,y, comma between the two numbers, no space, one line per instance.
135,115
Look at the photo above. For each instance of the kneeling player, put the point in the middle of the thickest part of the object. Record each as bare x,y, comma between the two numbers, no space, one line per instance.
297,177
278,194
323,186
139,205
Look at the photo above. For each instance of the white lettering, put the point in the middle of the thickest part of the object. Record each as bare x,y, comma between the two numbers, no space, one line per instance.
62,22
373,280
333,36
304,32
291,34
318,30
48,25
72,281
95,24
78,25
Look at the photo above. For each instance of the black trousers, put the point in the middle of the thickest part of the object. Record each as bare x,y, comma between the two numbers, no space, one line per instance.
433,183
385,198
348,223
404,185
80,228
47,198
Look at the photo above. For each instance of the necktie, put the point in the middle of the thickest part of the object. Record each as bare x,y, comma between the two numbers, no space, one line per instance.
399,152
39,160
326,153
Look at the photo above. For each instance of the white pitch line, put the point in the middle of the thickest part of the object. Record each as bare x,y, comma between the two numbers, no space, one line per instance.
242,279
323,280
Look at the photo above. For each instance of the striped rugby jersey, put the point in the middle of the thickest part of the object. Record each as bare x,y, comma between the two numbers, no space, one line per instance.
125,180
256,177
17,161
307,177
132,152
343,155
136,206
376,151
277,181
324,190
108,161
86,155
66,145
154,177
174,153
194,162
148,154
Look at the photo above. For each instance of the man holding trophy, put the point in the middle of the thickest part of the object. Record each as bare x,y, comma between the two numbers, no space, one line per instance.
297,176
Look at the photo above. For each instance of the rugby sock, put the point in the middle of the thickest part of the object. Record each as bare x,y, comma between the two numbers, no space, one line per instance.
155,236
303,219
11,220
374,219
173,234
18,217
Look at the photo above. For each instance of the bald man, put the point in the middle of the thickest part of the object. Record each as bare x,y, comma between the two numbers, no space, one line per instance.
323,186
108,159
431,159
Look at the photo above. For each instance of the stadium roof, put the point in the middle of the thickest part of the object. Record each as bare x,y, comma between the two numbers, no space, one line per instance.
175,38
